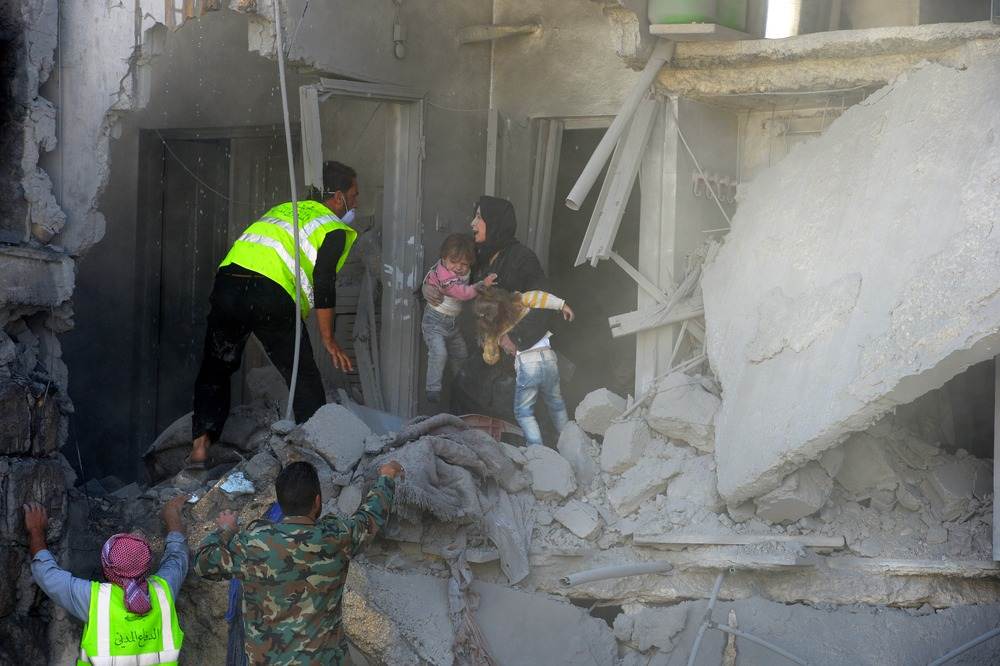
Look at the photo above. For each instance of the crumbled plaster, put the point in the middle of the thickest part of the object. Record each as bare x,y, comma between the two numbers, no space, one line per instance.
837,60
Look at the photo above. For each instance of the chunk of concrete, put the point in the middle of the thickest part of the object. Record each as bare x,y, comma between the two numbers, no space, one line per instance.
336,434
579,449
579,518
866,466
597,409
266,384
815,330
651,627
624,443
951,486
551,474
641,483
801,494
684,410
696,484
350,499
544,630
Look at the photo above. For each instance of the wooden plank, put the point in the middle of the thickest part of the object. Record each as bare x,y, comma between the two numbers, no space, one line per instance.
363,90
657,231
621,178
641,279
671,539
633,322
893,567
312,136
996,456
492,136
696,32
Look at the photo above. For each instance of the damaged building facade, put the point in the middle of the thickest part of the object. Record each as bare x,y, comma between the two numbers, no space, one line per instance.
782,376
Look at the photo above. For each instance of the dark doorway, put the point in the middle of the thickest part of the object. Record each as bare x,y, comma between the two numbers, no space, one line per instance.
595,293
194,238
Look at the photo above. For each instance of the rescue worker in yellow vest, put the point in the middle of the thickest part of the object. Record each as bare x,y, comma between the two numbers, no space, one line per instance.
132,618
254,292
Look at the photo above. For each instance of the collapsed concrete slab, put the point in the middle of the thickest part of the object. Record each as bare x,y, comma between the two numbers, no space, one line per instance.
860,273
641,483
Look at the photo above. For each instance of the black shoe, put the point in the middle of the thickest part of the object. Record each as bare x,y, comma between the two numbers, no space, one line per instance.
434,397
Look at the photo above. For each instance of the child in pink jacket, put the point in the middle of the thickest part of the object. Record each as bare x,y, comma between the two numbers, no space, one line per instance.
440,322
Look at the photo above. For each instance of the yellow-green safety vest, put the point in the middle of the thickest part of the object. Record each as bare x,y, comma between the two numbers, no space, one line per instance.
267,246
115,637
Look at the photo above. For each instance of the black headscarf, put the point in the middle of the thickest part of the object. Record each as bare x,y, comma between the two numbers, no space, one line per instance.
501,226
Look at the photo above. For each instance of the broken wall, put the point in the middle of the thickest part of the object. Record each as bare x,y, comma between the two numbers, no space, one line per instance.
860,273
570,68
210,74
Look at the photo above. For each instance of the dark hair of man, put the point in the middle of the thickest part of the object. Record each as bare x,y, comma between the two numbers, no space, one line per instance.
337,177
297,487
458,247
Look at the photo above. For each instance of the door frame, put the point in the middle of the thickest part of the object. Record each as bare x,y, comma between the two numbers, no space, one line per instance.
402,242
151,165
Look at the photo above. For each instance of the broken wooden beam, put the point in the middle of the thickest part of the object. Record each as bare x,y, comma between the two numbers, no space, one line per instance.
671,540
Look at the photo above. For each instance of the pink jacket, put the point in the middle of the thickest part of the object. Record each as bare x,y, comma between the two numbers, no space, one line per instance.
454,288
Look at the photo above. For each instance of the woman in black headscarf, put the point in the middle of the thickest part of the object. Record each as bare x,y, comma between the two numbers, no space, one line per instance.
490,389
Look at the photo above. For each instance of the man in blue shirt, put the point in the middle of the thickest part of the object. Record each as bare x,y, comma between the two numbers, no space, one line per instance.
120,561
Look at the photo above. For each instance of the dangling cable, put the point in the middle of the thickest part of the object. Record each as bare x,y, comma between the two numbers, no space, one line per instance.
279,47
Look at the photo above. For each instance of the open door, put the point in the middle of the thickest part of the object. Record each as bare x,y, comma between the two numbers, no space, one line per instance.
389,354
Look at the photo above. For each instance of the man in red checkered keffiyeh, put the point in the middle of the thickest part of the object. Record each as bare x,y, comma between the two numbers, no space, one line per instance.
125,559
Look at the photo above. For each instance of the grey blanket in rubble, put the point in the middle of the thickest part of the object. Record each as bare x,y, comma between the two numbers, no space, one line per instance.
459,475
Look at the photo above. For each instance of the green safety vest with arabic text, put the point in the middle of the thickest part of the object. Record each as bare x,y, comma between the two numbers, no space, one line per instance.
268,246
113,636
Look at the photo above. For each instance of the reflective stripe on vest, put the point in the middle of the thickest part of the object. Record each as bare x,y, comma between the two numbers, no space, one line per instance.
164,640
268,247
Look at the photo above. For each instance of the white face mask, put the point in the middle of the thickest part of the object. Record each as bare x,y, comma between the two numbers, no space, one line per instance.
348,217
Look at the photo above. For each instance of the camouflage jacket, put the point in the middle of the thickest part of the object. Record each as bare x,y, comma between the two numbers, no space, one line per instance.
293,575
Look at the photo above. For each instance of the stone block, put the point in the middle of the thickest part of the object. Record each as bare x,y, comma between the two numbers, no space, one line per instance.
25,480
579,518
597,409
267,385
696,484
684,410
350,499
641,483
336,434
551,474
866,466
29,426
624,444
646,628
951,486
802,493
263,468
580,450
245,421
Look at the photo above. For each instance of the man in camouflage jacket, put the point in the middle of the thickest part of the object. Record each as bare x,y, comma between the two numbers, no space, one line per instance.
293,572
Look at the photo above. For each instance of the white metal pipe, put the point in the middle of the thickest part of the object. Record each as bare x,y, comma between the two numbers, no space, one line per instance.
279,46
662,54
617,571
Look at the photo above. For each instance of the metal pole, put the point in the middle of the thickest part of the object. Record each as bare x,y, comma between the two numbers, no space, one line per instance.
965,648
708,619
295,209
662,54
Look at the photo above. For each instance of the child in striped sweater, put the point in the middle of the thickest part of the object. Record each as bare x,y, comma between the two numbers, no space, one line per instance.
536,369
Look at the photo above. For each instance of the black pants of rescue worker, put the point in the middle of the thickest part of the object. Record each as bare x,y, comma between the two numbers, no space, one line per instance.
244,302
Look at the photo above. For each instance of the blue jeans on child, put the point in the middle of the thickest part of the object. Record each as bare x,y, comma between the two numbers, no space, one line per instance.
537,371
444,345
